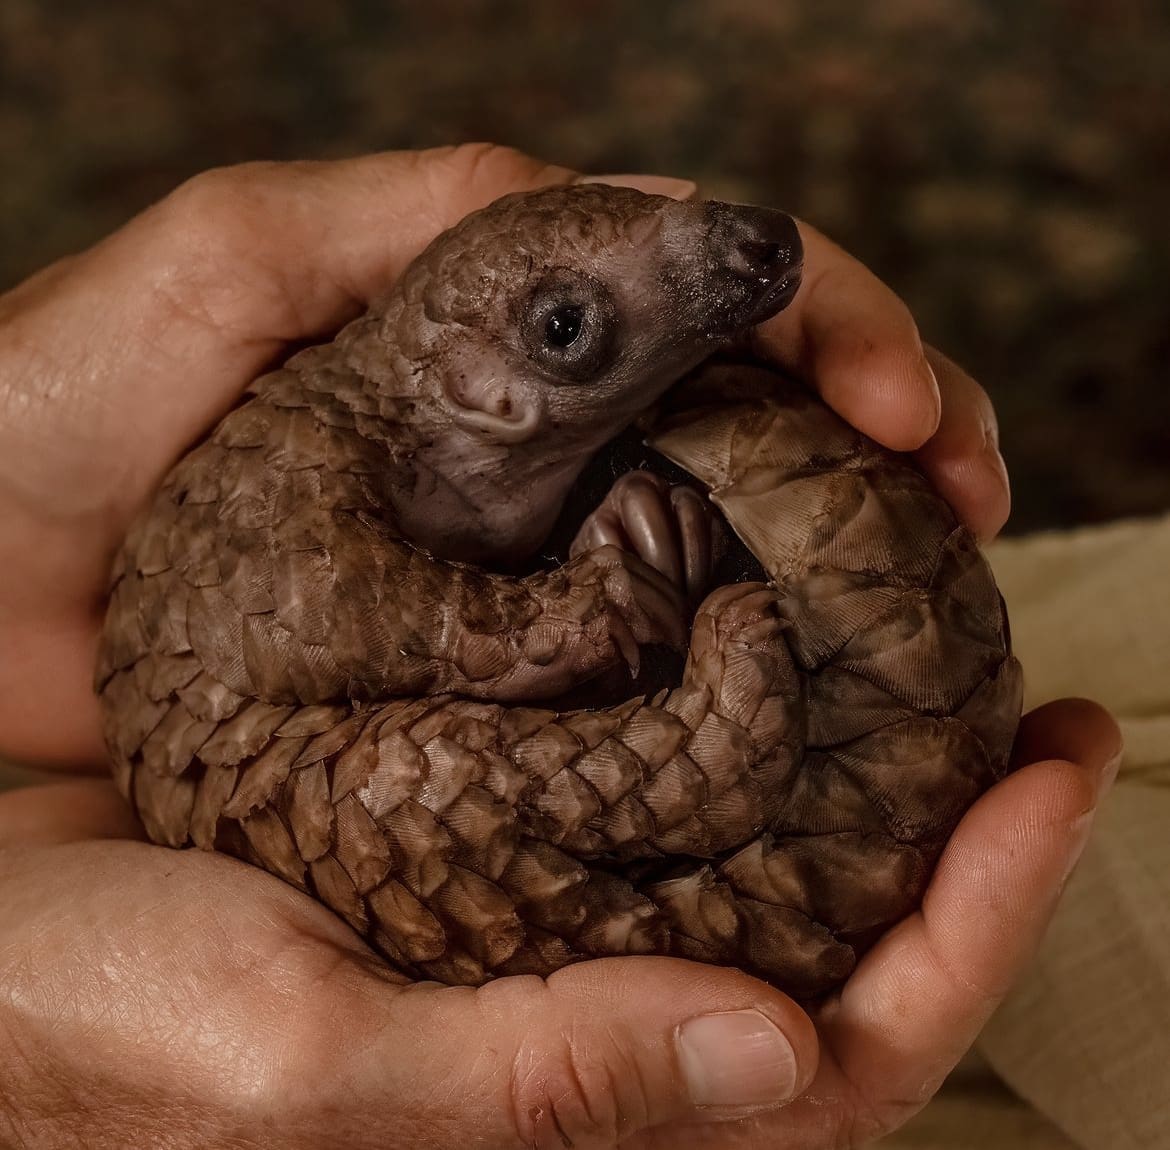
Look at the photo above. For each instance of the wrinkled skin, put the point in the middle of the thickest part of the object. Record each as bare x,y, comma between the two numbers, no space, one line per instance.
777,810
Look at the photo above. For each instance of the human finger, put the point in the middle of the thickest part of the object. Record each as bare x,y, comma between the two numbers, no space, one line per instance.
920,997
851,337
962,458
1075,729
587,1058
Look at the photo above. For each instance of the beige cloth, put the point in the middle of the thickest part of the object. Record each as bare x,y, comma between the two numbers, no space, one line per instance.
977,1111
1085,1039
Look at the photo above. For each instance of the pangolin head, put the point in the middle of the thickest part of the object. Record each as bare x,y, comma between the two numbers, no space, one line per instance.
543,325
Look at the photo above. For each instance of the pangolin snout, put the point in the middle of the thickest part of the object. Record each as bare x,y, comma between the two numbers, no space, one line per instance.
761,255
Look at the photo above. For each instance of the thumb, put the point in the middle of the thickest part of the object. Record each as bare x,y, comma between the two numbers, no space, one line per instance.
594,1055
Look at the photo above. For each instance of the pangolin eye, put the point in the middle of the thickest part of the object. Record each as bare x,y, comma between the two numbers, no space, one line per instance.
563,326
568,325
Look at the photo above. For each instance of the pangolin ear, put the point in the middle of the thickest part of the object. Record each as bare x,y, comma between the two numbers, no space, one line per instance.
488,398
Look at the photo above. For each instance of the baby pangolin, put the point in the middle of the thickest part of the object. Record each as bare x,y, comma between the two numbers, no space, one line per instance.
324,652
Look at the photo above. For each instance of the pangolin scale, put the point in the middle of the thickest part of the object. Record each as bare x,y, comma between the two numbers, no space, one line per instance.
308,660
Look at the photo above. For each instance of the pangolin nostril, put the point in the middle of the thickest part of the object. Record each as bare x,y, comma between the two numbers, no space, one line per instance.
763,254
762,244
766,256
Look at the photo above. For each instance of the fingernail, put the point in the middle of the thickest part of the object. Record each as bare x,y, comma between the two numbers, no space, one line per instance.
1109,774
737,1059
935,393
670,186
995,460
1079,834
995,463
985,476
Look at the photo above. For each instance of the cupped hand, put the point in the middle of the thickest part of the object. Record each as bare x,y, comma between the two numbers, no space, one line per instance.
114,361
155,998
182,999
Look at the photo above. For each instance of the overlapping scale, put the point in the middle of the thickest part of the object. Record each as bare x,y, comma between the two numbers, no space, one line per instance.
777,809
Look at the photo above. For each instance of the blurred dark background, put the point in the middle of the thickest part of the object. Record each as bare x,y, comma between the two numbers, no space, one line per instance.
1004,164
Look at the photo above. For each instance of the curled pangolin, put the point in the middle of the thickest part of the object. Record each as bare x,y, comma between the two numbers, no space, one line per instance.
323,652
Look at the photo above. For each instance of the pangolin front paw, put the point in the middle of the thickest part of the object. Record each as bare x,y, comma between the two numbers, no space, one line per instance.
641,604
673,529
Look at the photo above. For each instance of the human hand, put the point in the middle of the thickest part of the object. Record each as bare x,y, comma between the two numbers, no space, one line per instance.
105,1017
114,361
153,997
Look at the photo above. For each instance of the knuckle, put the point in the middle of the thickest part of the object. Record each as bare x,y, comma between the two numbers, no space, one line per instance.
202,229
566,1094
223,213
481,162
205,200
213,237
492,169
484,157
